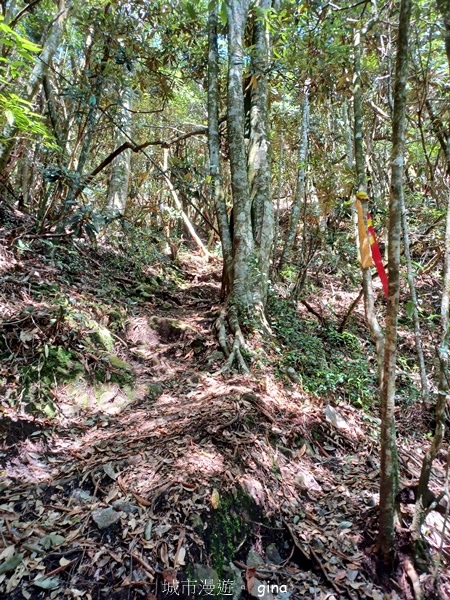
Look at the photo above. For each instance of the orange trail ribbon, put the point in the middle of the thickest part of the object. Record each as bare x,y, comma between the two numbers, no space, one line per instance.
376,254
366,260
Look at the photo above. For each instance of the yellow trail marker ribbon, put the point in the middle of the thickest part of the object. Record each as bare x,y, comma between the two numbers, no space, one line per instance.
364,248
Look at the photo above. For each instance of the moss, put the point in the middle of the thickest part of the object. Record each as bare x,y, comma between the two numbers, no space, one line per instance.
117,363
100,336
229,526
115,370
55,365
117,317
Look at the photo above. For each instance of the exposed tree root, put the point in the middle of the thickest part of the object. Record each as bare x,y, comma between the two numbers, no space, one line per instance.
414,578
222,331
228,314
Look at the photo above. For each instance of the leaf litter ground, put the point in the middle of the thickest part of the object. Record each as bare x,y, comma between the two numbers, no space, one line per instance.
135,492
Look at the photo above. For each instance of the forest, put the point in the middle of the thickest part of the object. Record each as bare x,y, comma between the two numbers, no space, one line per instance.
224,299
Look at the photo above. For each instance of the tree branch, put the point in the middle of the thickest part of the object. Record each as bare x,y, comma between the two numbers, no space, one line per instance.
130,145
24,10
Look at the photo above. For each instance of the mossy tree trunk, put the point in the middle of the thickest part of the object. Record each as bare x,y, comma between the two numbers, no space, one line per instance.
249,164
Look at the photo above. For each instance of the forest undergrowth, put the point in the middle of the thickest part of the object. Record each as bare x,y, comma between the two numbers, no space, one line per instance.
132,468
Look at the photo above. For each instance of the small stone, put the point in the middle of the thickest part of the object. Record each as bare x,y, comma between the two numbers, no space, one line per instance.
273,555
292,374
215,356
317,544
333,417
125,506
79,495
203,573
261,590
238,581
372,500
105,517
196,523
254,559
284,595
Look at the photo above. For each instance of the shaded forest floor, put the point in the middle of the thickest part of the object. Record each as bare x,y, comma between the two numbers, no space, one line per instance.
132,469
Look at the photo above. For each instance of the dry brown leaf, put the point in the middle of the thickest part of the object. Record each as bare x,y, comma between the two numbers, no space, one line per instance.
163,554
142,501
215,499
250,578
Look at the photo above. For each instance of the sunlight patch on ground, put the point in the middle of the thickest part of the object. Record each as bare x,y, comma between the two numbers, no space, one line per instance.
197,459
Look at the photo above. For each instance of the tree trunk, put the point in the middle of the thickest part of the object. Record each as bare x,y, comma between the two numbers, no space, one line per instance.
36,77
369,299
244,271
301,179
277,210
259,174
443,350
388,457
120,168
412,289
218,192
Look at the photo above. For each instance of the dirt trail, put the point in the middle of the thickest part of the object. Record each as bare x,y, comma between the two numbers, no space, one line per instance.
195,479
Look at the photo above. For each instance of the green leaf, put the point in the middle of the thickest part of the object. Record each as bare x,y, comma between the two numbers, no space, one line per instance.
9,117
51,540
47,583
190,9
11,563
223,13
410,308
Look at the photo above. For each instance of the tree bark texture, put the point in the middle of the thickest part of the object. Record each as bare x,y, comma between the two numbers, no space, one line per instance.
259,174
217,188
416,321
388,456
243,243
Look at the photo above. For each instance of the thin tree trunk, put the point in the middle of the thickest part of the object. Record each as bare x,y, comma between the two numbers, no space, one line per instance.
277,210
91,121
388,455
36,77
443,350
218,192
120,167
369,299
243,243
412,289
301,178
179,206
